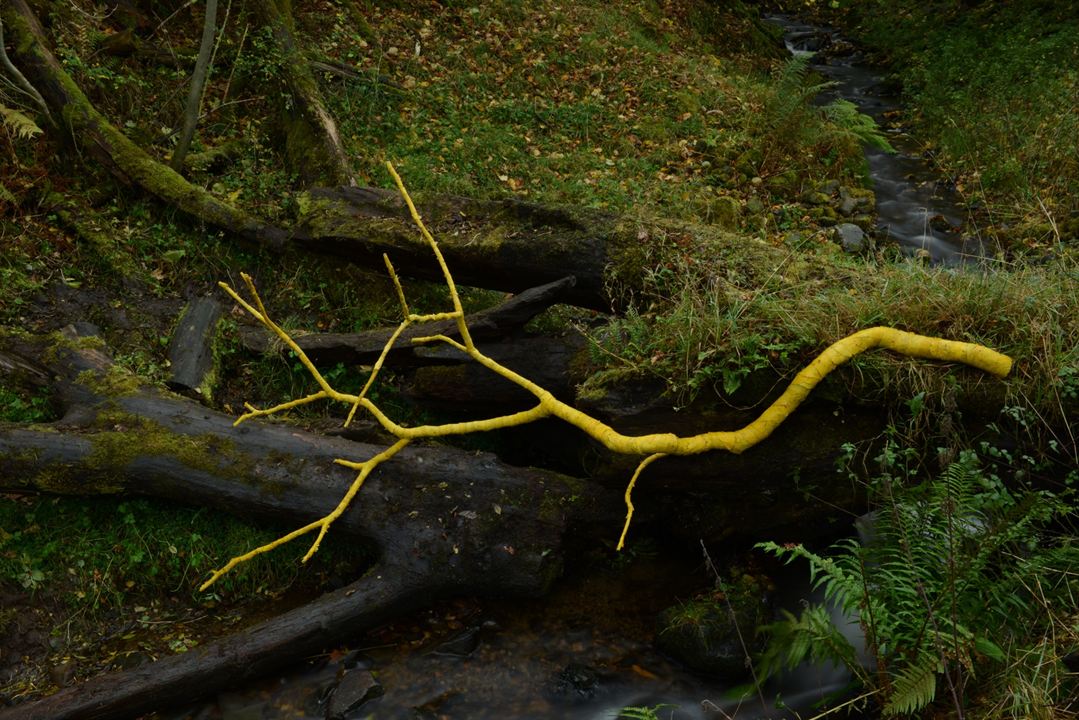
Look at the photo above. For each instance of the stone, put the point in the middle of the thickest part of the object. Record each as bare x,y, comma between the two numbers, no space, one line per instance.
707,635
754,205
354,689
850,237
575,682
723,211
847,206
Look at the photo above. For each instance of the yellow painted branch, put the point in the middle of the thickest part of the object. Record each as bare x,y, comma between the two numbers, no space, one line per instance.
654,446
629,495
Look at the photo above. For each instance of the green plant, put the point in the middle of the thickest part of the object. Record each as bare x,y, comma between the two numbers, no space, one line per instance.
961,578
644,713
851,121
24,407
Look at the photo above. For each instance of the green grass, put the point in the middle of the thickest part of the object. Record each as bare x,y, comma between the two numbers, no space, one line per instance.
568,104
709,327
97,554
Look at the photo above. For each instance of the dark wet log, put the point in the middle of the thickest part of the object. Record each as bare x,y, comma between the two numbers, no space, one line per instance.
365,347
443,521
452,380
191,350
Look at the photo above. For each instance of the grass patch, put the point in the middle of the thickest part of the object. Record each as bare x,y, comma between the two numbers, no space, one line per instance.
98,554
707,326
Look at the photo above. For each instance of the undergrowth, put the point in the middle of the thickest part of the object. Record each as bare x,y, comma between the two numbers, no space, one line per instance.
964,587
993,90
102,554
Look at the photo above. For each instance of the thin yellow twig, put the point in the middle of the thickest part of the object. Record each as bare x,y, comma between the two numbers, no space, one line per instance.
629,495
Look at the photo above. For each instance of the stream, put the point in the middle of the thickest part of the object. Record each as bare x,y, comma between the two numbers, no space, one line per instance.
915,206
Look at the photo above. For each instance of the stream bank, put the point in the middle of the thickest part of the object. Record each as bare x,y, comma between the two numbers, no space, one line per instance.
915,206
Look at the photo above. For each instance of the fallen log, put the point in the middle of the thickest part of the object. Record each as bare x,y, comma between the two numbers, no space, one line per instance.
443,521
507,244
191,349
365,347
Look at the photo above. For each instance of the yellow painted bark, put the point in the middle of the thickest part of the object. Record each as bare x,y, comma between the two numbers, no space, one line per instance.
654,446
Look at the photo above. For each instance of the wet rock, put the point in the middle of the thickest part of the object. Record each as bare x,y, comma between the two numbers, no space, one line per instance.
712,637
357,659
847,206
940,224
355,688
818,198
754,205
825,215
850,237
464,643
865,222
62,674
575,682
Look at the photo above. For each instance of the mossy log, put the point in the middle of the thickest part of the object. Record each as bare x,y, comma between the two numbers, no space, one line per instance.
442,521
93,134
509,244
191,359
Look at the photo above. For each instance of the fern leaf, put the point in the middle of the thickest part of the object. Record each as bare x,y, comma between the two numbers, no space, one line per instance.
850,120
20,124
914,687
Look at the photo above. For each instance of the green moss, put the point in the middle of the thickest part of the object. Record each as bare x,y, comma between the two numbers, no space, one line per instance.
599,384
113,383
125,437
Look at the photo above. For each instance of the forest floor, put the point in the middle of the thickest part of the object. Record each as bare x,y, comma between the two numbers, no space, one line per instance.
677,110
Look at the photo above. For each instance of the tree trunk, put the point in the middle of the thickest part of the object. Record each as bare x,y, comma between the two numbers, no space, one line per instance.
312,143
198,82
92,133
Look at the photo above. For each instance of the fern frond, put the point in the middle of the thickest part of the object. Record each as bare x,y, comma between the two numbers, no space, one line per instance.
846,116
810,636
21,125
914,687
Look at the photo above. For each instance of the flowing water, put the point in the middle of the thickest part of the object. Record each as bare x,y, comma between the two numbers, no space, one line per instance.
915,206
